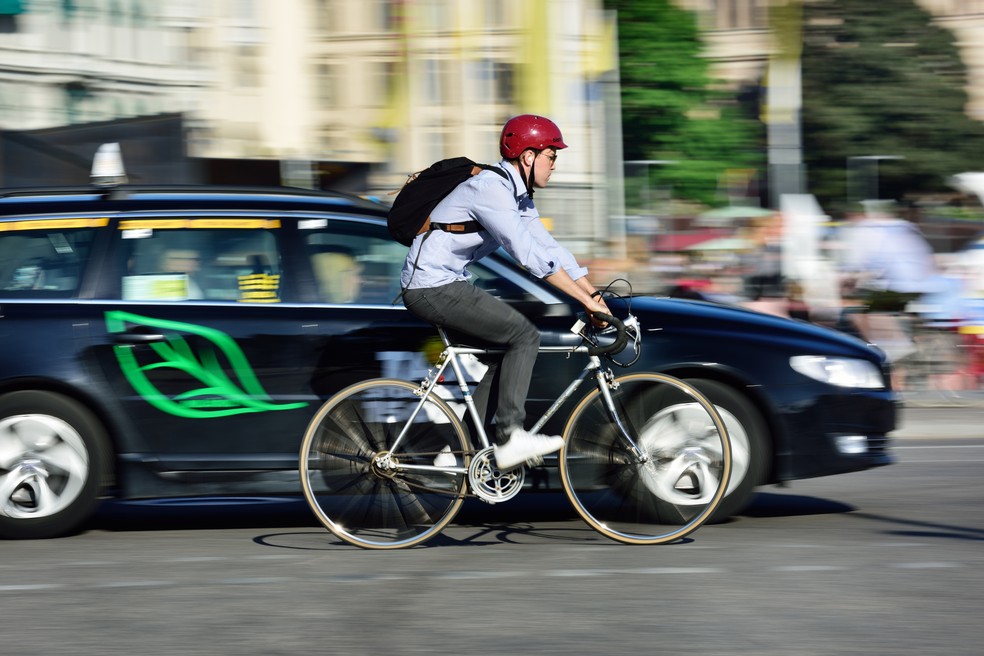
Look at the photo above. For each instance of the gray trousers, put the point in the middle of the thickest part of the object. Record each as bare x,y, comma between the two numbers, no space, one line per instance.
462,307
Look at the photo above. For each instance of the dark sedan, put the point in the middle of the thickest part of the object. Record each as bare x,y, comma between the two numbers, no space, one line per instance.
172,342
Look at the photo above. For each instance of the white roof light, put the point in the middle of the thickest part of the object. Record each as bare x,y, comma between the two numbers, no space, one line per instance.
107,166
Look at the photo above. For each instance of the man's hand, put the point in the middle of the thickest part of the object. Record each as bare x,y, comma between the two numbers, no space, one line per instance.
584,292
597,305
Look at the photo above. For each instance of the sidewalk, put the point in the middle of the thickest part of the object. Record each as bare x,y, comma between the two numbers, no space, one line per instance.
925,422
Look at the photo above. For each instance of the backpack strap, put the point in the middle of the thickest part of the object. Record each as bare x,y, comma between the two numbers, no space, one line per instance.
463,228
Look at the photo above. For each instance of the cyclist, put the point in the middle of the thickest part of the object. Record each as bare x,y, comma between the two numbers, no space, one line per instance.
435,276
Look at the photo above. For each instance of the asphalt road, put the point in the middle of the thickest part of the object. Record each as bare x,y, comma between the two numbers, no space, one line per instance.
888,561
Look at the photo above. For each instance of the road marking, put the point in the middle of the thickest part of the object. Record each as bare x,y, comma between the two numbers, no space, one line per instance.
132,584
677,570
468,575
960,461
254,580
92,563
373,578
576,572
937,447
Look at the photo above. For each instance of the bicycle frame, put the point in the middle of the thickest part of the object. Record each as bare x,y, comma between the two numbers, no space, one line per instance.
449,356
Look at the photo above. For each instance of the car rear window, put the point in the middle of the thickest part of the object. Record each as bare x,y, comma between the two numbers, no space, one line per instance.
44,258
214,259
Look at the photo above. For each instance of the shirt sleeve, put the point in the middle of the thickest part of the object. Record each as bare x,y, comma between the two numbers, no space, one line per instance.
558,252
496,209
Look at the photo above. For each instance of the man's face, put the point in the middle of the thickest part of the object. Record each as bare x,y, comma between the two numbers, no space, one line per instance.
181,261
543,165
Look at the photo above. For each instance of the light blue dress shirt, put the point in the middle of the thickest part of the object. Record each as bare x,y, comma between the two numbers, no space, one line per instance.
510,220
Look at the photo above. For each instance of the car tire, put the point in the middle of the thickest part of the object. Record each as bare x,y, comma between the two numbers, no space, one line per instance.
54,457
750,444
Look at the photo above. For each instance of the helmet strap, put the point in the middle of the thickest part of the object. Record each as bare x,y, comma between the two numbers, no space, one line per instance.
529,178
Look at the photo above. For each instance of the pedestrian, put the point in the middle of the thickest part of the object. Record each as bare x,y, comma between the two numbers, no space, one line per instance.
887,264
887,261
436,281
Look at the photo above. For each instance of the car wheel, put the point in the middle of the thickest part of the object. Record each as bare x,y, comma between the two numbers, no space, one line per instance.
750,444
53,454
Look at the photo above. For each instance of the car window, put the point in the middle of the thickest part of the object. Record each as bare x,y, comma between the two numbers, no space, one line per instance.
215,259
44,258
353,263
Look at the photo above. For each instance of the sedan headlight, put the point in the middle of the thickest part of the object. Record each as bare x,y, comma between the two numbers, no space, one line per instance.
842,372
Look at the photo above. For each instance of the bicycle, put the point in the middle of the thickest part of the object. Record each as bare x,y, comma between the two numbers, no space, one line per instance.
387,463
940,372
933,360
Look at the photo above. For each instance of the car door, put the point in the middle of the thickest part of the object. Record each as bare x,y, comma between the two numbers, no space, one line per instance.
223,335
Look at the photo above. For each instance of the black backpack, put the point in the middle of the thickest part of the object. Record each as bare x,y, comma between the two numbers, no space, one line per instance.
410,214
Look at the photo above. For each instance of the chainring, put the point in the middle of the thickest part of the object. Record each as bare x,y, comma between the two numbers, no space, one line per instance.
491,484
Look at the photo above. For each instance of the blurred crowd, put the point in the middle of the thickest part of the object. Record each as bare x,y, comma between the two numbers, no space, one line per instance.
874,275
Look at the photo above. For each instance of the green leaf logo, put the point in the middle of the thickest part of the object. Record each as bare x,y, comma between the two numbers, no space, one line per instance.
212,393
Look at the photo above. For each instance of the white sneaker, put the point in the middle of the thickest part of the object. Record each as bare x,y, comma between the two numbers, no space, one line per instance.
526,447
445,458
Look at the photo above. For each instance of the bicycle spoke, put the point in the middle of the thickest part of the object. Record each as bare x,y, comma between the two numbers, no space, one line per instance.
362,492
679,481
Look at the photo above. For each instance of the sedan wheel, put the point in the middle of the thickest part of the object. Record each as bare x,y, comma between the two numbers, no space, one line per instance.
52,457
750,444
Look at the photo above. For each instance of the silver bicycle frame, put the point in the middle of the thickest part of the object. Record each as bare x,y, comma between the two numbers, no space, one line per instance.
450,357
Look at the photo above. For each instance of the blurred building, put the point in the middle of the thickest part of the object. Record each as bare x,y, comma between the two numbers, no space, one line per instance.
739,39
361,93
323,86
65,62
403,84
965,18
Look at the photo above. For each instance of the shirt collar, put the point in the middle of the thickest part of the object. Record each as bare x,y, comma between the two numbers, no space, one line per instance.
519,186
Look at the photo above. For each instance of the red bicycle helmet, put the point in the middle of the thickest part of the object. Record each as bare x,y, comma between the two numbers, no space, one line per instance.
529,131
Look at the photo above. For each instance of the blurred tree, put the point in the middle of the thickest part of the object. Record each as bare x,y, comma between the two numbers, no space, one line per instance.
670,110
880,80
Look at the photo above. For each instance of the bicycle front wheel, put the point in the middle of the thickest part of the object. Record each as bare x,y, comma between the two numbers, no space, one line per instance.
369,494
675,481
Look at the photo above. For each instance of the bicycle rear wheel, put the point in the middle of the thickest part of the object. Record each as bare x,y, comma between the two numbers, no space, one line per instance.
372,497
683,478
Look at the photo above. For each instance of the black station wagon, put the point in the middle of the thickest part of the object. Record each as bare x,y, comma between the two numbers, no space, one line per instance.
163,342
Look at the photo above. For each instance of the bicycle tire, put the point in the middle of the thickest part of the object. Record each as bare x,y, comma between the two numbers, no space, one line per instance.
371,506
676,490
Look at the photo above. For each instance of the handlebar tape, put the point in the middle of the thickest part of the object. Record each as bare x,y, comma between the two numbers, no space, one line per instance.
621,338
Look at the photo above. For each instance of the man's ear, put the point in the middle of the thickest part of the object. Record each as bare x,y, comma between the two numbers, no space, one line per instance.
528,157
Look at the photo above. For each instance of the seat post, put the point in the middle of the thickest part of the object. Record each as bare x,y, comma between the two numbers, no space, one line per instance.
444,336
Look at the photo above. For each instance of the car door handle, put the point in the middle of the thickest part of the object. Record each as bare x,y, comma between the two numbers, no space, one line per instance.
137,338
